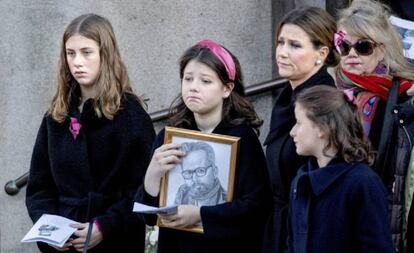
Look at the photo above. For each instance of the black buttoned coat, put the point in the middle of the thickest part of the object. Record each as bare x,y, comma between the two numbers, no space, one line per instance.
282,160
94,175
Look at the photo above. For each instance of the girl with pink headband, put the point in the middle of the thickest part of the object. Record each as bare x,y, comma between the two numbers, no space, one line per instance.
222,55
212,101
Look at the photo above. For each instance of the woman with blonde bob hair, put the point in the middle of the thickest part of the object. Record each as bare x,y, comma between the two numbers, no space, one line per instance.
93,145
374,71
370,19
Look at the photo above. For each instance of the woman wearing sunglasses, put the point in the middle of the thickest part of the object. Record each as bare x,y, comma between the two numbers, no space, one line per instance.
371,54
371,57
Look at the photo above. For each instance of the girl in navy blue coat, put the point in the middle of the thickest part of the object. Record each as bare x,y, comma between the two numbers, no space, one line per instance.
212,101
337,203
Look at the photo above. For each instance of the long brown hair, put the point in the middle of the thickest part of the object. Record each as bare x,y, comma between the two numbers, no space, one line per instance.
329,109
237,108
318,24
112,81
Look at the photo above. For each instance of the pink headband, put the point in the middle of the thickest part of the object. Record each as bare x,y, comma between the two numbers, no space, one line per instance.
222,55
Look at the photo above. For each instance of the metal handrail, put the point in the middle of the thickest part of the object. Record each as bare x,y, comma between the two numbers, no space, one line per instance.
13,187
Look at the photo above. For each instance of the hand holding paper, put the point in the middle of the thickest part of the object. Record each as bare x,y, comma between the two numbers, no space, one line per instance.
141,208
52,229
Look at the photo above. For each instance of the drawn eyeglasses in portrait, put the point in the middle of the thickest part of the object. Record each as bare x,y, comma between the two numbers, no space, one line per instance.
199,172
205,176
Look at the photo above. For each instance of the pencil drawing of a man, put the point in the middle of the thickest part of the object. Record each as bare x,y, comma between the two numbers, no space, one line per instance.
201,186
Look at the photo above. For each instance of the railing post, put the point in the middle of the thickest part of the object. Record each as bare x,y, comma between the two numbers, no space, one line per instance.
13,186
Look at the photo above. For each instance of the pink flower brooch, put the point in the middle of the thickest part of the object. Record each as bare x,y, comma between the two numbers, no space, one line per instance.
74,127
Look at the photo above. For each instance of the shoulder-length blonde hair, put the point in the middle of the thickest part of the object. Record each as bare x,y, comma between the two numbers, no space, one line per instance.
112,80
370,19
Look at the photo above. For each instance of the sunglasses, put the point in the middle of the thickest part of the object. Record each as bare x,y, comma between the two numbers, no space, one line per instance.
362,47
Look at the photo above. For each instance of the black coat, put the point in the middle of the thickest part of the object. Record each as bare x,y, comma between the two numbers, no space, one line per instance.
100,169
402,8
235,226
282,160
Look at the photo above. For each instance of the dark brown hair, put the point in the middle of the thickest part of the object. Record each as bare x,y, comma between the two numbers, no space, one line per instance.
318,24
329,109
236,108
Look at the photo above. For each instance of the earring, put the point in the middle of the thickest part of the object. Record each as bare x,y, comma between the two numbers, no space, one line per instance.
318,62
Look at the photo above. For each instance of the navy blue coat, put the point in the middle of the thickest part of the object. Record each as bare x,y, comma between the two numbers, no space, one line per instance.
235,226
95,175
339,208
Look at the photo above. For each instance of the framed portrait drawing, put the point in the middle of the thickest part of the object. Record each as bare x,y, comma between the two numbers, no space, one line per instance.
205,176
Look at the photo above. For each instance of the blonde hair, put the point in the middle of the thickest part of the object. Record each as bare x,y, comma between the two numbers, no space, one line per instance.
370,19
112,80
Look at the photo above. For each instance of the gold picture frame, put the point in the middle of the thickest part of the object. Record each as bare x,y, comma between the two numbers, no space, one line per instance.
181,185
